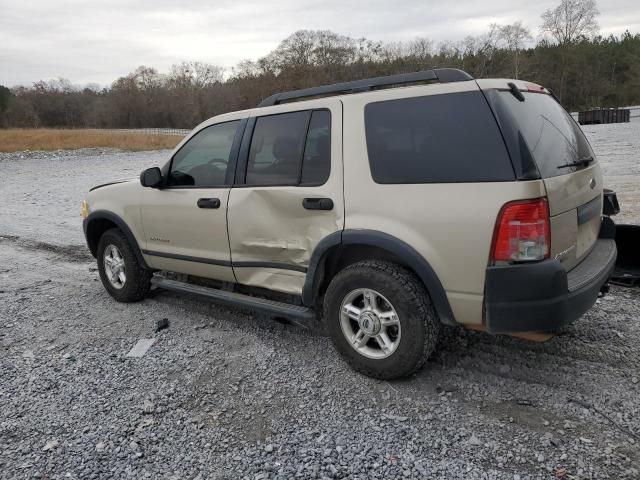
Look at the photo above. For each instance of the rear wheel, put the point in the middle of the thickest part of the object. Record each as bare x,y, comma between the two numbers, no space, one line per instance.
381,319
121,273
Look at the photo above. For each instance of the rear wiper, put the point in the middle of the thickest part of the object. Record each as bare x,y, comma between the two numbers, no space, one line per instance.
583,162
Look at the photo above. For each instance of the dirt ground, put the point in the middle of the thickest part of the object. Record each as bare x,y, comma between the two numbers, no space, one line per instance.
225,393
21,139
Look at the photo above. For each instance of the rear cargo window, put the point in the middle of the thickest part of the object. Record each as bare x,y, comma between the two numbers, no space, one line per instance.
551,136
446,138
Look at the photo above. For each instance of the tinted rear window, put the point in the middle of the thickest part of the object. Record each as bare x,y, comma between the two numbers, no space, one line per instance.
446,138
551,136
276,149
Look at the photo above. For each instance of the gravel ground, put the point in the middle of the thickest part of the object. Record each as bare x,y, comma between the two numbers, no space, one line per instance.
224,393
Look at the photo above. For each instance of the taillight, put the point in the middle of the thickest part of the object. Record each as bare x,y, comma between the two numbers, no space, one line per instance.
522,232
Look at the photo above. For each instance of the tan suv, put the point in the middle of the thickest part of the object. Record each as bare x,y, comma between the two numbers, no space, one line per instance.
379,209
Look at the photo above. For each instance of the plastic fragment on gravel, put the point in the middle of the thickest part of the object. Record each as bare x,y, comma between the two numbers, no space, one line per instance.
161,324
140,348
399,418
50,445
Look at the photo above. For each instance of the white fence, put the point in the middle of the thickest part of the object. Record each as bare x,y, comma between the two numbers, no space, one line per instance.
151,131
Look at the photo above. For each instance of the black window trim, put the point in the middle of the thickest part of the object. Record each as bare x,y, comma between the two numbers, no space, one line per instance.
245,147
231,166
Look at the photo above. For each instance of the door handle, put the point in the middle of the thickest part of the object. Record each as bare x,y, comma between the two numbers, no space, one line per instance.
317,203
209,203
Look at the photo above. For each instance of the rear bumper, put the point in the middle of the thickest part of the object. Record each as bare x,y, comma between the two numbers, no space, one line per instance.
542,296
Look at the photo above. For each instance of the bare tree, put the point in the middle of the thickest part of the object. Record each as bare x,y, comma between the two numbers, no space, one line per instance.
421,49
571,20
514,37
195,74
296,50
482,48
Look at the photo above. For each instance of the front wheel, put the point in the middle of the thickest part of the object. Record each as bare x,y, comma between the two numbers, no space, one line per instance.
121,273
380,319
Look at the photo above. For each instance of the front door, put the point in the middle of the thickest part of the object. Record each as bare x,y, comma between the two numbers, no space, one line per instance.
288,194
185,222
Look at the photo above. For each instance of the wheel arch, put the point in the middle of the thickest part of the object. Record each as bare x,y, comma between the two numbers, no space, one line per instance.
99,222
343,248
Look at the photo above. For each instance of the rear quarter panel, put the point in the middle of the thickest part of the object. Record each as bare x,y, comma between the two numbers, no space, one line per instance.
450,225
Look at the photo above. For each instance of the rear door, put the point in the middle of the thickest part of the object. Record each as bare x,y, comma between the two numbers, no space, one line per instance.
554,141
288,193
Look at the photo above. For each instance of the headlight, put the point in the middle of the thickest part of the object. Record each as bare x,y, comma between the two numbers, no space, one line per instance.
84,210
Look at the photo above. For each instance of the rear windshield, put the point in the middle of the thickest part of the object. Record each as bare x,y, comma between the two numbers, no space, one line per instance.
549,134
447,138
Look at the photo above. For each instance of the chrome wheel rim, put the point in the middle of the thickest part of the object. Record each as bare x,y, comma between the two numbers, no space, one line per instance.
114,266
370,323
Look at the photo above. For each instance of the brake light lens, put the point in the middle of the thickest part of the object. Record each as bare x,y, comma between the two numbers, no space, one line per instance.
522,232
533,88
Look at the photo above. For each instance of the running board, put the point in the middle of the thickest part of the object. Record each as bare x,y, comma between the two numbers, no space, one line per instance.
303,316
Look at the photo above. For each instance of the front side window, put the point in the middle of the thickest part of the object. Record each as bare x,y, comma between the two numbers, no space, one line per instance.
203,160
290,149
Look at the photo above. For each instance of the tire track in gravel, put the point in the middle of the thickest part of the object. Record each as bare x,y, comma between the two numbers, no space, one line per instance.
73,253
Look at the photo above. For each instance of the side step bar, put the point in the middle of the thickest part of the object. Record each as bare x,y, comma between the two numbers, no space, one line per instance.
303,316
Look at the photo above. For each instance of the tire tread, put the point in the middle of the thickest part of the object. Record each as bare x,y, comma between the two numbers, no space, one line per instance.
139,276
421,303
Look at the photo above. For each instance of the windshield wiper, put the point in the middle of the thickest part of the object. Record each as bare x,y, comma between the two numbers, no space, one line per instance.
583,162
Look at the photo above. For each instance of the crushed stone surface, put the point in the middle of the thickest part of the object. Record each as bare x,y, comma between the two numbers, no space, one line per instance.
225,393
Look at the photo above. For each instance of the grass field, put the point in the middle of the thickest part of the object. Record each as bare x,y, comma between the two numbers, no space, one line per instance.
13,140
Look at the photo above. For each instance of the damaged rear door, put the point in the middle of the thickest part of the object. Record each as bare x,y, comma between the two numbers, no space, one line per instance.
288,193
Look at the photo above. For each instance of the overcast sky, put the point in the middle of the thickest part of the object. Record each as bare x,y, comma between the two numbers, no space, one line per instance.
98,41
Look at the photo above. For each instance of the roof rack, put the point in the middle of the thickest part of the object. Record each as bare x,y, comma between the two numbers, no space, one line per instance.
441,75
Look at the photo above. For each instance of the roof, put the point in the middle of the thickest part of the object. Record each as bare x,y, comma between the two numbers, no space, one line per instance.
439,75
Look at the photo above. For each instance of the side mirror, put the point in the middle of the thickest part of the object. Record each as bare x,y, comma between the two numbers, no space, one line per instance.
151,177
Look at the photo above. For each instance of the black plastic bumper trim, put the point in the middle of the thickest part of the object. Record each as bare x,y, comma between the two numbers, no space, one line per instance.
226,263
187,258
92,242
589,210
535,297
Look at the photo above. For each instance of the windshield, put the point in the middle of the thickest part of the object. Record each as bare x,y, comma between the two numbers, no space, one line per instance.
549,133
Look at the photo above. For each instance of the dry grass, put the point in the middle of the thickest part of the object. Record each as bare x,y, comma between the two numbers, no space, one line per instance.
13,140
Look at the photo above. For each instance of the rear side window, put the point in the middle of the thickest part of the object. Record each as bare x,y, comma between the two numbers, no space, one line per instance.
446,138
290,149
316,163
549,133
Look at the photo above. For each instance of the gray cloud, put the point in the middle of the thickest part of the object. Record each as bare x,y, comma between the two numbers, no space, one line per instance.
97,41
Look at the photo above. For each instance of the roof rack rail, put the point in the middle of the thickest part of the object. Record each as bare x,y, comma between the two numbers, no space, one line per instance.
441,75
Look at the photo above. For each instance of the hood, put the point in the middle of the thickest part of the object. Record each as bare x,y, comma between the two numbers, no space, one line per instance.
111,183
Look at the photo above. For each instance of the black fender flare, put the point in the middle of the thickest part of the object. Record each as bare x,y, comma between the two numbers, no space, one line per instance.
121,224
386,242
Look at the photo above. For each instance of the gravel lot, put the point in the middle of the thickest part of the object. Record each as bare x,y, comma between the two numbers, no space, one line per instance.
225,393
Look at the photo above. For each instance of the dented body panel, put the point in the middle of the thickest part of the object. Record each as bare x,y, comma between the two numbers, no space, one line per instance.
268,224
263,236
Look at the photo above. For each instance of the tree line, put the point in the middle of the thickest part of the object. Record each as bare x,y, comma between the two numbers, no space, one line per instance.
584,69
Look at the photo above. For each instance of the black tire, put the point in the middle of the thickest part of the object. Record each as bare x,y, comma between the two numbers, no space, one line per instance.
138,278
419,323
